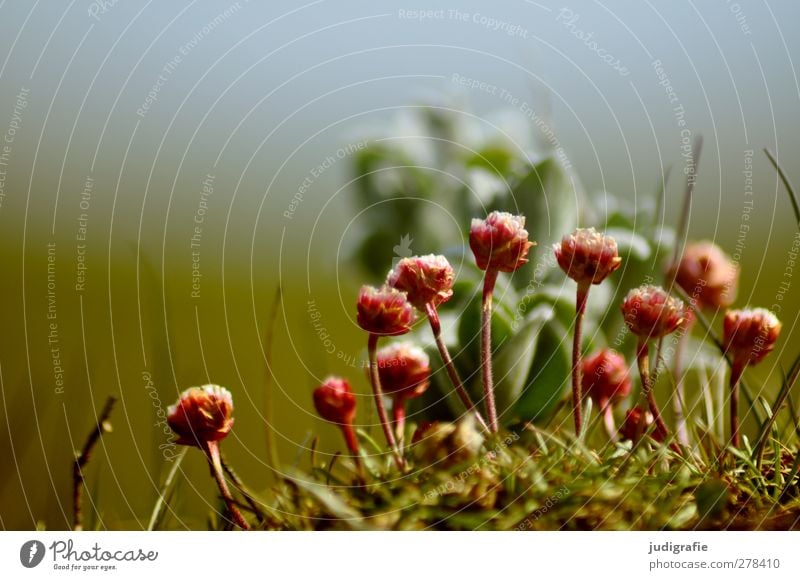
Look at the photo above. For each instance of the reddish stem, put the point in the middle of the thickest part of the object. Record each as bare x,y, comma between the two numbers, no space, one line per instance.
375,379
463,395
736,374
489,280
351,441
577,379
643,360
399,417
211,449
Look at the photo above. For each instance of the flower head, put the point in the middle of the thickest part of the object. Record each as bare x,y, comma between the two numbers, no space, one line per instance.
652,313
335,402
606,378
404,370
587,255
384,311
751,334
201,415
707,275
425,279
500,242
630,426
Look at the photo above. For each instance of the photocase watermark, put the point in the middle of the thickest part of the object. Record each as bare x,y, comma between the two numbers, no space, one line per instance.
84,203
206,191
569,19
679,114
168,447
14,125
546,506
748,204
31,553
788,273
99,8
316,172
522,106
53,337
741,19
324,336
67,557
483,20
403,249
169,67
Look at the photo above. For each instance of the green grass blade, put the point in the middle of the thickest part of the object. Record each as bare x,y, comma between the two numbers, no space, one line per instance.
786,183
166,491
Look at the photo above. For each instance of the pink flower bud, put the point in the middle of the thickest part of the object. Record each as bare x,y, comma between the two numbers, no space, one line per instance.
425,279
630,426
201,415
606,378
652,313
707,275
404,370
587,256
750,335
500,242
385,311
335,401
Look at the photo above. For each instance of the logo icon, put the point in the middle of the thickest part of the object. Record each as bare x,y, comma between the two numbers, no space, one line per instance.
31,553
403,249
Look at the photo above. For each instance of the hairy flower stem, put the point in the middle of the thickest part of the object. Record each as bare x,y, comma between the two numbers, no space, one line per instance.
211,449
399,417
577,380
486,348
375,379
351,441
643,360
736,374
436,328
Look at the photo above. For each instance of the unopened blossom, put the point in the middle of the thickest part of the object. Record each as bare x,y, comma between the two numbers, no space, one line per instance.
587,256
651,313
335,401
750,334
201,415
500,242
426,280
384,311
707,275
606,377
404,370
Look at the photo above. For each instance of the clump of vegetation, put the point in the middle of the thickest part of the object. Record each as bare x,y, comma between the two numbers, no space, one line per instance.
518,429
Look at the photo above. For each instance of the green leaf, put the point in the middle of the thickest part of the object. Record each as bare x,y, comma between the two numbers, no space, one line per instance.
512,364
548,380
548,199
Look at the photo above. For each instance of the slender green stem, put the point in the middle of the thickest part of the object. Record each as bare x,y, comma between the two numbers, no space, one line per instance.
577,379
375,379
166,491
450,368
489,280
211,450
786,183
